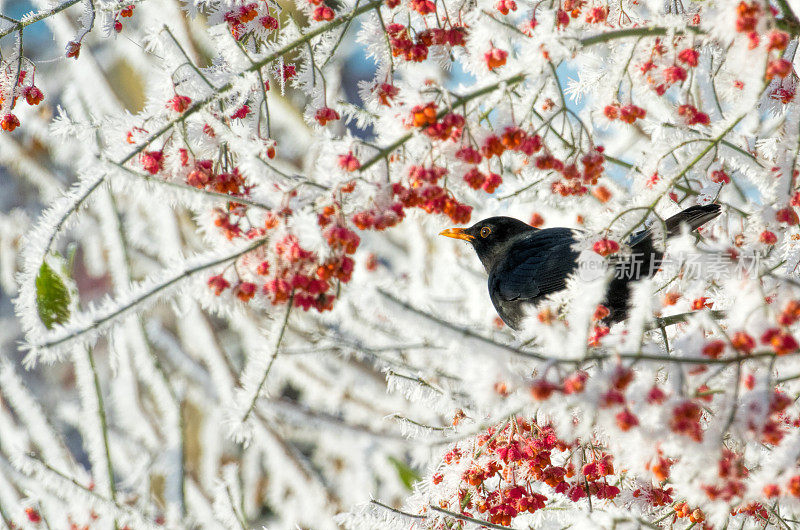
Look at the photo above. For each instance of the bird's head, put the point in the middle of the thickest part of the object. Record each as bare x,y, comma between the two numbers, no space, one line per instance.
490,237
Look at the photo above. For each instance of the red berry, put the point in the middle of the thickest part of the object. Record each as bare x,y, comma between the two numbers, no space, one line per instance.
9,122
604,247
495,58
768,238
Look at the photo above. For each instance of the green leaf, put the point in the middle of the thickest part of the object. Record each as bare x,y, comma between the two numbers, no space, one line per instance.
52,297
465,500
406,474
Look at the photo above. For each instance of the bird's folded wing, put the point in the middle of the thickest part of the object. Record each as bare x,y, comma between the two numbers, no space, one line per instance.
536,266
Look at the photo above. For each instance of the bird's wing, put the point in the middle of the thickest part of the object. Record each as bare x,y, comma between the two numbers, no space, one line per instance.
535,266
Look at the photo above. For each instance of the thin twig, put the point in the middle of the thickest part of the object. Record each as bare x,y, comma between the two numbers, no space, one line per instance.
651,31
101,411
395,510
462,330
41,15
466,518
272,359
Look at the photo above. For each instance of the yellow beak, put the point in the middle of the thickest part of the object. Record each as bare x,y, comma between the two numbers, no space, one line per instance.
457,233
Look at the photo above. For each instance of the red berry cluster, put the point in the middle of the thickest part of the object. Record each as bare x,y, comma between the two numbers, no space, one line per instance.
787,215
425,193
349,162
33,96
756,510
269,23
125,12
714,349
298,274
747,17
423,115
33,515
667,65
239,17
152,161
423,7
179,104
685,420
606,246
542,389
416,49
201,175
386,93
326,114
674,74
781,341
241,113
701,303
322,12
295,274
790,313
344,239
772,491
770,429
768,237
449,127
777,40
495,58
689,56
512,139
654,495
597,15
683,511
505,6
660,466
230,182
574,8
379,220
719,176
575,180
73,49
692,115
512,466
743,342
732,472
9,122
598,332
626,113
477,180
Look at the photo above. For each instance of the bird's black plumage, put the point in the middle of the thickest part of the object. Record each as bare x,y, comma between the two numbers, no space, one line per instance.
526,264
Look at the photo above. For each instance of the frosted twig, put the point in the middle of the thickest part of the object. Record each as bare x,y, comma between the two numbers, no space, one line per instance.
114,313
41,15
275,352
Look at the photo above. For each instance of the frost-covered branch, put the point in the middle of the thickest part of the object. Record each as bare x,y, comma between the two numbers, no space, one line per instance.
105,316
36,17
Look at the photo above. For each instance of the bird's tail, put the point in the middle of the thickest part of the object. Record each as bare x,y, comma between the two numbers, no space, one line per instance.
694,217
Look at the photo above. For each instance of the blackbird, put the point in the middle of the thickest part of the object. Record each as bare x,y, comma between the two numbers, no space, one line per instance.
525,264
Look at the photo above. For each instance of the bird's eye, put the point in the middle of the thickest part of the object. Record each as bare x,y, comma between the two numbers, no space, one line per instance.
485,231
